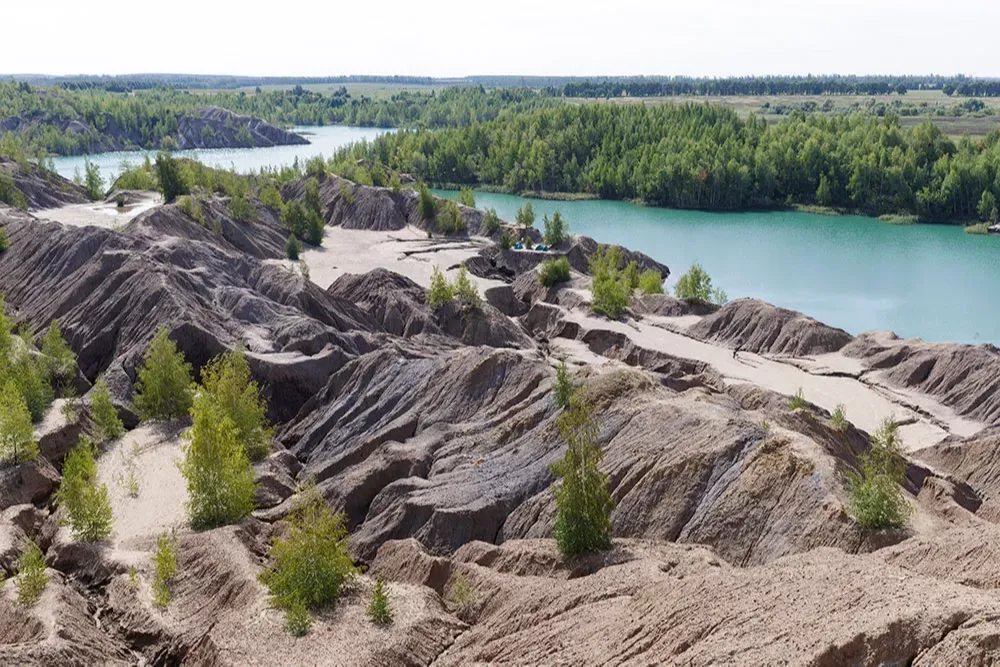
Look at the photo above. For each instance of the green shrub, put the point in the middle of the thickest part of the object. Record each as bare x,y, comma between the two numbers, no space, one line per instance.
876,500
556,229
465,290
219,476
310,564
696,285
899,219
395,184
93,183
4,243
440,292
173,182
107,424
450,219
17,441
316,167
461,594
553,271
583,502
563,391
191,207
838,419
242,209
57,358
31,576
466,197
651,282
164,390
428,209
506,241
298,620
29,374
797,401
165,563
270,196
491,222
85,502
611,288
379,609
979,228
9,192
293,247
227,382
526,218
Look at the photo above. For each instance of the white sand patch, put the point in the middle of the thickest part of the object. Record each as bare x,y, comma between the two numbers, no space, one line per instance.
148,456
866,406
100,214
408,252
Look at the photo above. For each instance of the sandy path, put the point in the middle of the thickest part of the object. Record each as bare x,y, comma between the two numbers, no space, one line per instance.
151,452
408,252
866,406
99,214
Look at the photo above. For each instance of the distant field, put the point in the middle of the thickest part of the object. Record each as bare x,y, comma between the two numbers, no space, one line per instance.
373,90
927,101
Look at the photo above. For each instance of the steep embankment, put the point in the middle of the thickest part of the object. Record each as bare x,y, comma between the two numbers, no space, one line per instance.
206,127
38,189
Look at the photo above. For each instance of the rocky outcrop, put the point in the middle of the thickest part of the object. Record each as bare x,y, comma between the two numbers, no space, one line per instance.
665,305
966,378
206,127
755,326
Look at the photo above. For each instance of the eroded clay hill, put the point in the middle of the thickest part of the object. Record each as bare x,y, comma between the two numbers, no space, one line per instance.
434,432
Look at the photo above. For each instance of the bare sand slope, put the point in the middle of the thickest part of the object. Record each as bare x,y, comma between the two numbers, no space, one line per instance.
100,214
146,488
866,405
408,252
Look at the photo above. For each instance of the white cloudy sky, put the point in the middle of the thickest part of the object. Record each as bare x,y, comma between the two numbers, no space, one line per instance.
459,37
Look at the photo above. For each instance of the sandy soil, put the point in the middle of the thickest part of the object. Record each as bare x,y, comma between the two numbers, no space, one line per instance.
866,405
408,252
99,214
149,455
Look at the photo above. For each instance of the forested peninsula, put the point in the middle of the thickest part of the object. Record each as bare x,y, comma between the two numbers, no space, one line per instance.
698,156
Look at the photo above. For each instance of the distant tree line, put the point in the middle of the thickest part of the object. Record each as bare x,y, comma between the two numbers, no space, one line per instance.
130,82
697,156
608,87
49,119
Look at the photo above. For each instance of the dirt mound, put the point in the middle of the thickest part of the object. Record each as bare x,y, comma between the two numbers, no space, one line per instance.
671,604
963,377
755,326
668,306
213,127
41,189
111,291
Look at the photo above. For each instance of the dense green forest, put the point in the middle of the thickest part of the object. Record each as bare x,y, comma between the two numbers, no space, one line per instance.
706,157
66,122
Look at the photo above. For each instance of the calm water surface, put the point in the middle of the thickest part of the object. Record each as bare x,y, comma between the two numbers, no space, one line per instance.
931,281
323,140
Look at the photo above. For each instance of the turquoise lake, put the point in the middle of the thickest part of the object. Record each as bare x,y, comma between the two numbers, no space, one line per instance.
323,141
930,281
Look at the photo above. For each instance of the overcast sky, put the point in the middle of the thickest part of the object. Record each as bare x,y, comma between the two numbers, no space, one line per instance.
446,38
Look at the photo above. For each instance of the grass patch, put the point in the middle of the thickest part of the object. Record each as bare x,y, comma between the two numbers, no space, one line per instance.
899,219
981,228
